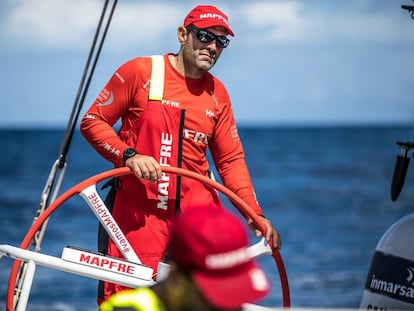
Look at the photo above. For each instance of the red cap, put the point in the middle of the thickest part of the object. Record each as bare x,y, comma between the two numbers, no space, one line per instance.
206,16
211,243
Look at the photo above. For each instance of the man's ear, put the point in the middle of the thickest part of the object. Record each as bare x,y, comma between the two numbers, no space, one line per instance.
182,34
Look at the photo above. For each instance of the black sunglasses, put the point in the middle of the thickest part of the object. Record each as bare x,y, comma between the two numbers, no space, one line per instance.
206,36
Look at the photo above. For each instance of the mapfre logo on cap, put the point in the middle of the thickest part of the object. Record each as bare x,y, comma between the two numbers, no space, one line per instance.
228,259
214,16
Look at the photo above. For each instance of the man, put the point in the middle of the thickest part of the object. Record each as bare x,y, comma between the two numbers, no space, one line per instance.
172,109
210,268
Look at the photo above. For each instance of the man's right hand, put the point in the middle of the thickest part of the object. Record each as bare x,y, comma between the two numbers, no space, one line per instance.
145,167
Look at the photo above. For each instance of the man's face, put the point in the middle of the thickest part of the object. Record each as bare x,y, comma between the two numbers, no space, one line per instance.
203,55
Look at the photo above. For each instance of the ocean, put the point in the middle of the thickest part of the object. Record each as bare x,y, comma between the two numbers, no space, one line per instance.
326,189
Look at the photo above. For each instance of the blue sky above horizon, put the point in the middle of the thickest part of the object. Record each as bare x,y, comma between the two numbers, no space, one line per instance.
295,62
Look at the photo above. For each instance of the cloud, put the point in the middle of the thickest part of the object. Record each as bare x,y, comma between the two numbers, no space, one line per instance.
278,21
51,23
296,60
62,24
300,22
148,25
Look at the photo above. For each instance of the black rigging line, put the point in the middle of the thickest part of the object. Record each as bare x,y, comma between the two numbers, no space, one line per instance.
60,163
83,88
402,161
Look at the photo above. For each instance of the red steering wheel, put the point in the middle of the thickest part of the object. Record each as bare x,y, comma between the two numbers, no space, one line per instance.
239,203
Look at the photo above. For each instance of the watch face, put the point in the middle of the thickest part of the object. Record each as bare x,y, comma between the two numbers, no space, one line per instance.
129,153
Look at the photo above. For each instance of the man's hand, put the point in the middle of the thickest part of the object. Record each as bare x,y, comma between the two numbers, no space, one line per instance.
145,167
271,232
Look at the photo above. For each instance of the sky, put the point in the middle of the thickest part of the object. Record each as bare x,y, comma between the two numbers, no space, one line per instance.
291,62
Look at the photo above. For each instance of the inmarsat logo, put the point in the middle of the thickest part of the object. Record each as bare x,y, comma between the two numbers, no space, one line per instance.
391,276
393,289
410,278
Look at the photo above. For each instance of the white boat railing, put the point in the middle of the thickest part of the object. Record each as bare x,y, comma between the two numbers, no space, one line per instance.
93,265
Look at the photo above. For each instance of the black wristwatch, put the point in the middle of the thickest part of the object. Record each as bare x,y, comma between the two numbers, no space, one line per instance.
128,153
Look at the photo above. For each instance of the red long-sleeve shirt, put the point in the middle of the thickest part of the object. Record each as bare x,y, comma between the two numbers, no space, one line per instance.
209,121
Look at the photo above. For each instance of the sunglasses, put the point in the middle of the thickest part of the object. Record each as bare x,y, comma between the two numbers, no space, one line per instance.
206,36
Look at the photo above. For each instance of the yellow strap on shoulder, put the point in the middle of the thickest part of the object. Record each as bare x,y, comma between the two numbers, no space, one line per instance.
156,91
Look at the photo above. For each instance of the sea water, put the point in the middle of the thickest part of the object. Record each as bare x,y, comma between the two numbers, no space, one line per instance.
326,190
